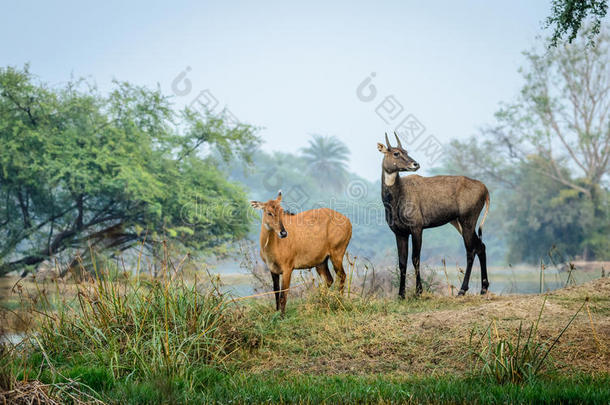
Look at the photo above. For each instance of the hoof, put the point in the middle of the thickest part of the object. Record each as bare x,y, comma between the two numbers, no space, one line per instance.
461,292
484,291
401,296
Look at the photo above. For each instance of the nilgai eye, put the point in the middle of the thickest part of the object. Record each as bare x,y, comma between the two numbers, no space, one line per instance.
396,154
270,214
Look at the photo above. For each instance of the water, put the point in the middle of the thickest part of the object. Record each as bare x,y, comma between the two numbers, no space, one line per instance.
526,279
12,338
522,279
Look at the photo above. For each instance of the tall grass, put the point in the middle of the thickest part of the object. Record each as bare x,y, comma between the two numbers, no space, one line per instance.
138,329
516,360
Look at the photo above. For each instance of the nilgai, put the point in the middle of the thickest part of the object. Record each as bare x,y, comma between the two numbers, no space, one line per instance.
414,203
301,241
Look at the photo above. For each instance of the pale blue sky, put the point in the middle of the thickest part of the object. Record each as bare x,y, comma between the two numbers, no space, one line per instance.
294,69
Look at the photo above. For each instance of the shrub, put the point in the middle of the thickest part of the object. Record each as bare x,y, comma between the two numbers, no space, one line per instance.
517,360
143,328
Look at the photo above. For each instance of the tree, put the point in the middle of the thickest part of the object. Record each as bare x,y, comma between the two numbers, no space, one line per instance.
567,18
545,217
559,127
327,159
80,169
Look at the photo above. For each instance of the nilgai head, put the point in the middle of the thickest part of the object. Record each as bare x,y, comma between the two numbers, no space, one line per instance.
396,159
272,215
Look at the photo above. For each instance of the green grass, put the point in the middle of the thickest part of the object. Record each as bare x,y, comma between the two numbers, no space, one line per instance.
350,389
212,386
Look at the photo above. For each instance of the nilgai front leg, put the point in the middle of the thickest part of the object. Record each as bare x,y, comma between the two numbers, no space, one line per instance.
402,244
276,288
286,274
416,237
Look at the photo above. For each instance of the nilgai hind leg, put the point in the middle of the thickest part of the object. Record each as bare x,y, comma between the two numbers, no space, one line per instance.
336,257
474,246
480,250
324,272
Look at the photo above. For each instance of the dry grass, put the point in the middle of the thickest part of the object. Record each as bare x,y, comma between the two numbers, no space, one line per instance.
430,335
35,392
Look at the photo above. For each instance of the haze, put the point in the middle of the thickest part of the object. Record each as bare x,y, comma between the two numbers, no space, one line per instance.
293,69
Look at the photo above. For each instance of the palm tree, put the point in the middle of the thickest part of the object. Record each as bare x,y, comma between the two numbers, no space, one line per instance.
327,159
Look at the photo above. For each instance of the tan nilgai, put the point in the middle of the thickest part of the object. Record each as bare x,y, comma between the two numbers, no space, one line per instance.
301,241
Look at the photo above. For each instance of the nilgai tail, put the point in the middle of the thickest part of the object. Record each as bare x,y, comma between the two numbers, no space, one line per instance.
484,214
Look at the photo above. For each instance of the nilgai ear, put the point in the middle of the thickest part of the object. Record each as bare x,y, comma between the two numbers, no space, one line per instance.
381,148
279,196
257,205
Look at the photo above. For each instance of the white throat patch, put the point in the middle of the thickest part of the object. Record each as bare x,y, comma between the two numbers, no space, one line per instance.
389,178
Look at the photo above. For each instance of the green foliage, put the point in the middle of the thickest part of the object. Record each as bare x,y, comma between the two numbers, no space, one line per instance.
532,212
81,168
546,215
568,16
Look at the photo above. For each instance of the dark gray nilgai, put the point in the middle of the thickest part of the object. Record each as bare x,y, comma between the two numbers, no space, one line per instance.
414,203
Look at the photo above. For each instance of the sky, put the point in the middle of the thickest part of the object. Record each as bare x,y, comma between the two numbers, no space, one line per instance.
436,70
